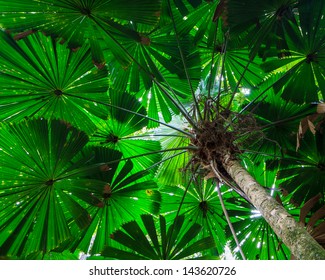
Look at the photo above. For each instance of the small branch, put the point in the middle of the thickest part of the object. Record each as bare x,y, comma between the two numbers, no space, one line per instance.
225,210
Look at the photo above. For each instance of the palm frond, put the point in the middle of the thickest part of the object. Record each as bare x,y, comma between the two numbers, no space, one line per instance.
40,170
41,78
78,21
122,196
157,242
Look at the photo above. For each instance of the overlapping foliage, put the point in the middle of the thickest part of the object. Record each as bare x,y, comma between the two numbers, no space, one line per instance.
104,108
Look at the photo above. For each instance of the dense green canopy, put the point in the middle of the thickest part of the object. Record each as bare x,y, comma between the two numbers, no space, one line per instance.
111,112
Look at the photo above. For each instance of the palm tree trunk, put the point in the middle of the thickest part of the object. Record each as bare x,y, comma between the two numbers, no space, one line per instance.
292,234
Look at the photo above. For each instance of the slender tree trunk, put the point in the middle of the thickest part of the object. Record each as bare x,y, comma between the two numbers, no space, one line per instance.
297,239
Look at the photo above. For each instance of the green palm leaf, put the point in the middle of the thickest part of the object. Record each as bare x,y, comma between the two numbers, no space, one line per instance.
44,79
172,171
307,181
41,169
122,131
231,66
201,205
76,21
154,242
65,255
261,22
197,19
122,196
260,242
157,73
306,64
278,122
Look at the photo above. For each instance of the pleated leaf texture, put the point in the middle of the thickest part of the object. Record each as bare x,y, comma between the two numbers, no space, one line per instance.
52,188
41,78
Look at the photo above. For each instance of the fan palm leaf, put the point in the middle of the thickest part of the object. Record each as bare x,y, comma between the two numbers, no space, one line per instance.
197,20
77,21
261,22
157,74
304,183
172,171
122,132
41,168
123,196
230,66
41,78
157,243
260,242
277,121
306,62
200,204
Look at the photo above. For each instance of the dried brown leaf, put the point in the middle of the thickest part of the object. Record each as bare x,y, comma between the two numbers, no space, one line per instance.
24,34
319,214
307,207
306,124
221,7
278,199
210,175
311,127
